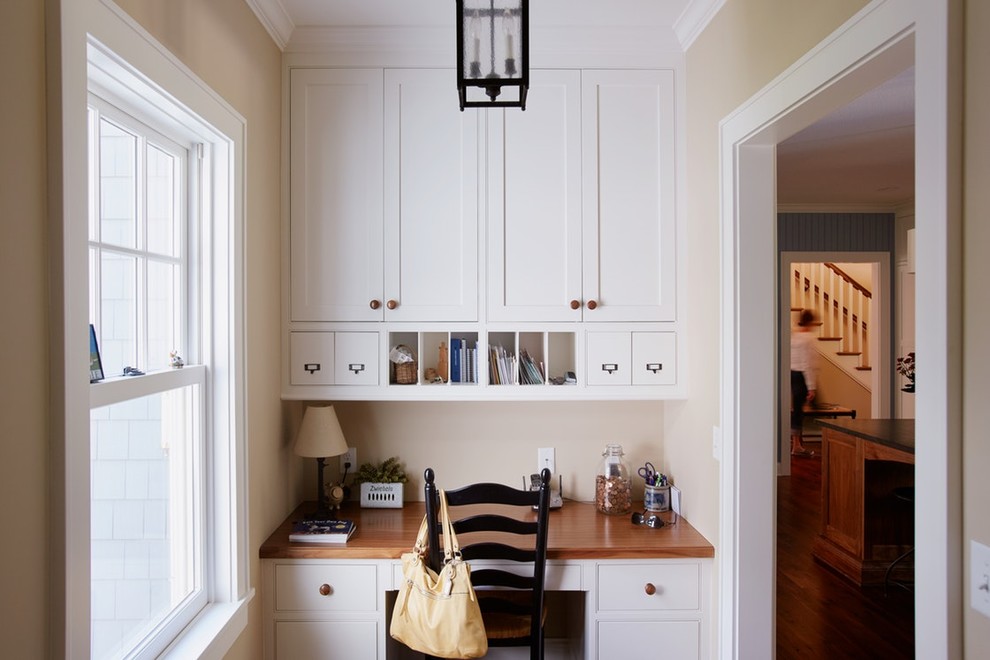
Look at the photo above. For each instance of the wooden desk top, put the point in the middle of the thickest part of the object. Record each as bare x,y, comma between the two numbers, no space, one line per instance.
894,433
577,531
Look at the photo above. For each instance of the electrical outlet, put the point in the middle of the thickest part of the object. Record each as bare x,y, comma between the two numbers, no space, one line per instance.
979,577
546,458
349,457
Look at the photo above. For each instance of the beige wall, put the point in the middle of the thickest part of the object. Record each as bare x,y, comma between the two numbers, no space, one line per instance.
225,45
23,289
976,269
746,46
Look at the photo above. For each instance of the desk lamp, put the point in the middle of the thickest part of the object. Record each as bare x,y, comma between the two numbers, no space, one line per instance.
319,437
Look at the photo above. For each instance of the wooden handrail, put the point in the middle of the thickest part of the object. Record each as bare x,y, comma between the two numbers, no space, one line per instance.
856,285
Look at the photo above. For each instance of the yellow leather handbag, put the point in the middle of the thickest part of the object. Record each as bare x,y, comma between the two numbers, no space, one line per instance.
438,614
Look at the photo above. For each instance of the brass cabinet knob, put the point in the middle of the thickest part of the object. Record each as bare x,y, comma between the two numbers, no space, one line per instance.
650,589
391,304
592,304
575,304
375,304
325,590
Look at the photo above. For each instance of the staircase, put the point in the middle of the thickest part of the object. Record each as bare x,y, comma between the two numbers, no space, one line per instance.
842,306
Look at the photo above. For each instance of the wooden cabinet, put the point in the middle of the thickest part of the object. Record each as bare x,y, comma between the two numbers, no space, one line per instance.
325,609
613,589
431,199
581,200
628,189
534,204
336,162
632,358
658,605
383,198
551,230
333,358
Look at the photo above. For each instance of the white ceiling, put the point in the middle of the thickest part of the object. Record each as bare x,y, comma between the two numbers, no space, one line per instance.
860,155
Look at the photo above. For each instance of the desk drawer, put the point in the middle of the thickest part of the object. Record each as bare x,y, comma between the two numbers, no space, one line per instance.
326,640
326,587
674,586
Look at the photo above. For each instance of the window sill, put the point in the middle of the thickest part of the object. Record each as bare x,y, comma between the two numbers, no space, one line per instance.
213,632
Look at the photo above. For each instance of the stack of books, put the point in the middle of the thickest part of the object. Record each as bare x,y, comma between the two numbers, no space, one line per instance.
463,361
322,531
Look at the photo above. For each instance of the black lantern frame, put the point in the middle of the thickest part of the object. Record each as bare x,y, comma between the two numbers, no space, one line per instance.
492,53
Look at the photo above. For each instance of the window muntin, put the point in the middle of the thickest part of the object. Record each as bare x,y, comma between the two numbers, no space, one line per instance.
148,466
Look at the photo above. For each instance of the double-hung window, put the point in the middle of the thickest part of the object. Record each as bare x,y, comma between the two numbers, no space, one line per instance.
165,501
147,433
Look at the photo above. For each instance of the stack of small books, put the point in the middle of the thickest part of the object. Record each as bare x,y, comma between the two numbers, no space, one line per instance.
322,531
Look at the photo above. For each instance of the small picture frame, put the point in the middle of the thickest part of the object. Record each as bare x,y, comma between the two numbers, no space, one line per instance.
95,363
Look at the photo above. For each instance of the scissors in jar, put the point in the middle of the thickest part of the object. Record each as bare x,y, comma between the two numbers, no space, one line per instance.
649,474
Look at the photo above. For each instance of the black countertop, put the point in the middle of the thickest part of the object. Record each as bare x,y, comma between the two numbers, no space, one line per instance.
896,433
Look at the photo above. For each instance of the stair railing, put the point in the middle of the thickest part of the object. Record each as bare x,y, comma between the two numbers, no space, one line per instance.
841,304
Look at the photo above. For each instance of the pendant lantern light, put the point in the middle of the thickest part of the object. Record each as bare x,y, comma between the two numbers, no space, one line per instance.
492,53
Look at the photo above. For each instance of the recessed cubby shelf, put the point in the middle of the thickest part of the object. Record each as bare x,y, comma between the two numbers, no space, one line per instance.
493,359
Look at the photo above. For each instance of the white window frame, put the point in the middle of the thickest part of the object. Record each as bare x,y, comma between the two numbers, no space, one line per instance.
95,40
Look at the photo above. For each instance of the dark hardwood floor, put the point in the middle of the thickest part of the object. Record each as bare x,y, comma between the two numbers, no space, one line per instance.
819,613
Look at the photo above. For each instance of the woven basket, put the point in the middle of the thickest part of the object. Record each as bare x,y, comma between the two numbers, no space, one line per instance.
404,373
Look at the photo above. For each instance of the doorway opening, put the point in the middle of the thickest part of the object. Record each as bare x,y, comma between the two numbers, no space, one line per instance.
849,295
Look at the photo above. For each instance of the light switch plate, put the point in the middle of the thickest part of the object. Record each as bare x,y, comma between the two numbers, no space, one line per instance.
979,577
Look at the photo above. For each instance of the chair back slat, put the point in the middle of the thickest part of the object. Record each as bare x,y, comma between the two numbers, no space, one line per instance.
492,577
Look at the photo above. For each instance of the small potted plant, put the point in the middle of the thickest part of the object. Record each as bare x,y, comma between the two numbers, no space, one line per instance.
905,367
381,484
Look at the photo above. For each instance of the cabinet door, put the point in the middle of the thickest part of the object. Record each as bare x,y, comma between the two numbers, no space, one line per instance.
629,207
431,199
534,205
335,204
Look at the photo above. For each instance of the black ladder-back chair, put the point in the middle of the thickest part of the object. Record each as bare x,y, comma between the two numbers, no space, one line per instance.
513,610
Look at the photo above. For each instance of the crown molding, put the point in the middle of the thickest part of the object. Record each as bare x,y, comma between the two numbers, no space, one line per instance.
694,19
571,47
275,19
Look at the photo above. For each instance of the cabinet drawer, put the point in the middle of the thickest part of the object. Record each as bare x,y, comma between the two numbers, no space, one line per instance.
627,587
356,358
351,587
311,356
665,639
609,355
654,358
326,640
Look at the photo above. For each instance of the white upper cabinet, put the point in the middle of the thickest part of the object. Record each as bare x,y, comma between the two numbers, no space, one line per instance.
534,203
581,205
384,197
628,195
336,203
431,199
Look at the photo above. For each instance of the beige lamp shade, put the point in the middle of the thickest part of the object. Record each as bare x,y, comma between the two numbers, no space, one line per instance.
320,435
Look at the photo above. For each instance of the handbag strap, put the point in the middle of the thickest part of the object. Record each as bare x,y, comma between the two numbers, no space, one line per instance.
451,550
422,539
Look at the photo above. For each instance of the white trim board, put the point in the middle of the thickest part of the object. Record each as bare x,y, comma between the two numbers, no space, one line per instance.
878,42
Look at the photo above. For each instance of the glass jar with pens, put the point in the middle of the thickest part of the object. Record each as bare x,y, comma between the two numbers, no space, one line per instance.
656,493
613,485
